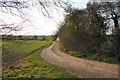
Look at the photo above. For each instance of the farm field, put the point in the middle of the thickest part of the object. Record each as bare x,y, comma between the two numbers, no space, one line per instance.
21,59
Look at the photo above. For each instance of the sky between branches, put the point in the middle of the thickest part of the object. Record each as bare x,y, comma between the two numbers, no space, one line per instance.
39,24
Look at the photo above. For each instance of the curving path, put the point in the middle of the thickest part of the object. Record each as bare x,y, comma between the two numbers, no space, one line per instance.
80,67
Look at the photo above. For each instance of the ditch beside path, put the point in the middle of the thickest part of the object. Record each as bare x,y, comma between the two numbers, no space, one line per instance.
80,67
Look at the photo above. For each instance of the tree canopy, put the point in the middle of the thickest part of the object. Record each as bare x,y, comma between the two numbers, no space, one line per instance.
85,30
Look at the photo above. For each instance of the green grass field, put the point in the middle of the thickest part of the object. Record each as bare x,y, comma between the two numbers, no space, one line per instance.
29,65
13,50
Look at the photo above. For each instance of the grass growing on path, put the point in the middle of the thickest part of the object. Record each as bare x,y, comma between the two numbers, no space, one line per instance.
32,66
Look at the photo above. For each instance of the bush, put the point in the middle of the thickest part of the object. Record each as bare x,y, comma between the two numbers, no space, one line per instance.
108,48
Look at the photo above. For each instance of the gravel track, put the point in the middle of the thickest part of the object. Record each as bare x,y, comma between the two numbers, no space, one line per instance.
81,67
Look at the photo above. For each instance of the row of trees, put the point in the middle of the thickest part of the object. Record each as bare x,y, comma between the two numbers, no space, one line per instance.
86,30
22,37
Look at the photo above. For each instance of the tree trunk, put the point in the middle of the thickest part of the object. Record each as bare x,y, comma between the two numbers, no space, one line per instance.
116,35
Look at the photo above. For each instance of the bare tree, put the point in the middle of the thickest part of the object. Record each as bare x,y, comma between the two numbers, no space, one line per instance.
45,5
112,12
9,28
19,8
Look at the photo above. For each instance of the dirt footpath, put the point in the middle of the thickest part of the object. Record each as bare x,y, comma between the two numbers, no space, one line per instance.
81,67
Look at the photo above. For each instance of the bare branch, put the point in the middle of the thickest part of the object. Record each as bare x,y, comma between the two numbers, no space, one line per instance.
7,28
19,8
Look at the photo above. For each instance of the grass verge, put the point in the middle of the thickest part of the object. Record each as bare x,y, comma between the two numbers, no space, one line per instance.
33,66
89,56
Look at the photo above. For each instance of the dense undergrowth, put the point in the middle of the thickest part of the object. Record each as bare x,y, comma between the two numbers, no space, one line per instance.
90,56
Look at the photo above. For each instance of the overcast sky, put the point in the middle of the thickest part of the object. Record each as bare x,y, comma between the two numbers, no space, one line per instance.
41,25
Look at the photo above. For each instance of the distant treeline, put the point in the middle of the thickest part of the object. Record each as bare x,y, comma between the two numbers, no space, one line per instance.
22,37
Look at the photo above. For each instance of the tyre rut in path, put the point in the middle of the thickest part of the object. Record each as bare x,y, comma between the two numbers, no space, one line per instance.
81,67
